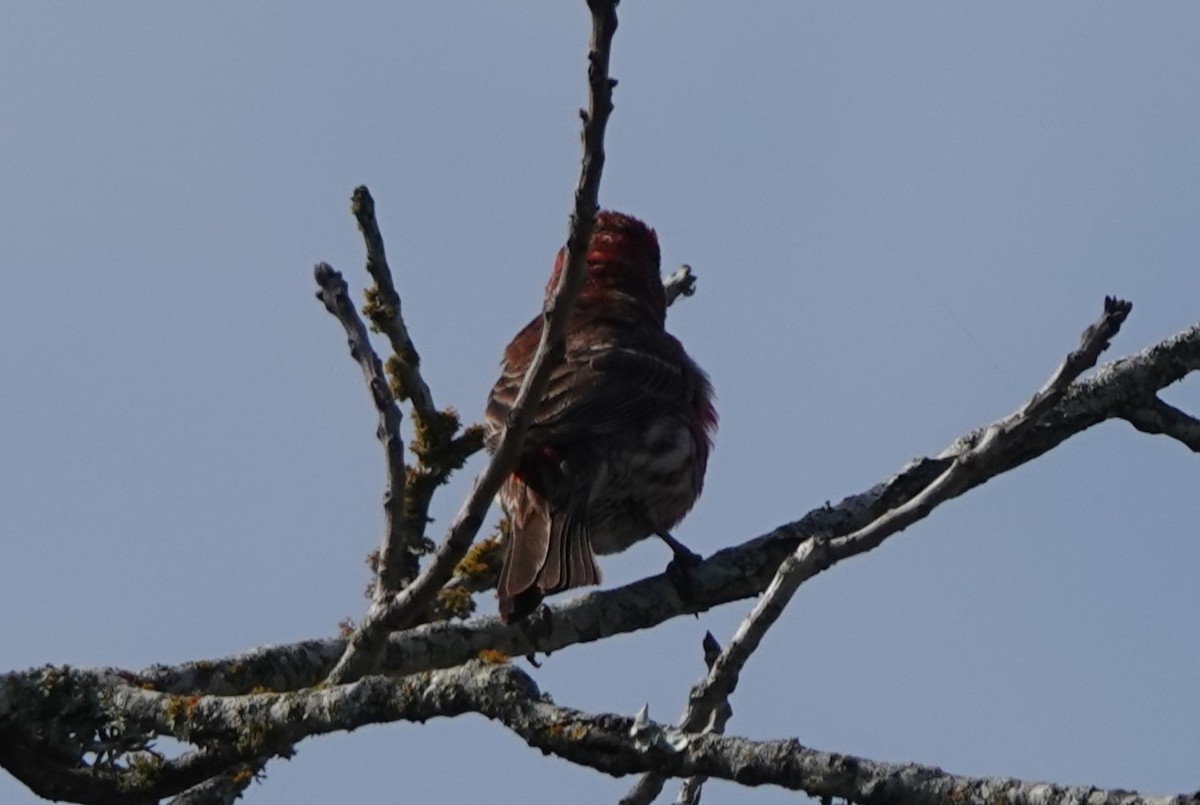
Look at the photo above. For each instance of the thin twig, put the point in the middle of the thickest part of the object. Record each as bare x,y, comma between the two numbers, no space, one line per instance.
680,282
690,789
969,469
333,293
397,561
384,308
984,460
400,610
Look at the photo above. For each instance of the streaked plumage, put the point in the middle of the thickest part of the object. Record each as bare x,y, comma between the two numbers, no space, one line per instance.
618,448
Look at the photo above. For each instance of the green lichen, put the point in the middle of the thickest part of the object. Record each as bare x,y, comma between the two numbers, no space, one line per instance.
378,310
432,434
144,769
55,679
254,738
180,710
421,483
483,560
397,368
243,775
454,602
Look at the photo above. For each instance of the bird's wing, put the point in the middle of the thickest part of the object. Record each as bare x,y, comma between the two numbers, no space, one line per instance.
595,393
613,389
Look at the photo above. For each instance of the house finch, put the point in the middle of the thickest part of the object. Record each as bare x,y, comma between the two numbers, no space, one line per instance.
619,444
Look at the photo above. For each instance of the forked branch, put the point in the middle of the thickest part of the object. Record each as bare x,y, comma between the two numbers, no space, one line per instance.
402,609
969,468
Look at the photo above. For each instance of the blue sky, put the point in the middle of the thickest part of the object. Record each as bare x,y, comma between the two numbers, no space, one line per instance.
901,215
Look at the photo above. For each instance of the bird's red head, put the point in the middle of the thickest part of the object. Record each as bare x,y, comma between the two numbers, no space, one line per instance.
624,259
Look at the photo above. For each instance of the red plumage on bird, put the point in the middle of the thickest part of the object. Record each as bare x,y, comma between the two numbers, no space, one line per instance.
618,447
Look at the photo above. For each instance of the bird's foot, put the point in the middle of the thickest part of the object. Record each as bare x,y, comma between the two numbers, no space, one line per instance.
533,627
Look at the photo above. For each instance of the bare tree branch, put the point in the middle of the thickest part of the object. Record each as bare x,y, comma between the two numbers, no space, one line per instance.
680,282
383,308
89,735
690,789
983,460
58,739
439,451
970,468
64,709
402,609
734,573
396,541
407,491
399,549
222,789
617,745
1159,417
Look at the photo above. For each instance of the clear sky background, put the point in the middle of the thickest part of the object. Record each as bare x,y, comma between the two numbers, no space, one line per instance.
901,215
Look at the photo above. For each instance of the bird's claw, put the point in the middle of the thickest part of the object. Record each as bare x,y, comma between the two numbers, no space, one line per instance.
680,574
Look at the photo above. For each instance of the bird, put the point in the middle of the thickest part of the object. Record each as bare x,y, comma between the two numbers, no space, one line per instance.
618,447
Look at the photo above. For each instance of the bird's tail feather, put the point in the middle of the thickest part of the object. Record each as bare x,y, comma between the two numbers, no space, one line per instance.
546,554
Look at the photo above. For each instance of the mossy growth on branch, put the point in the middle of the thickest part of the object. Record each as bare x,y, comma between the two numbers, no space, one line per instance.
483,560
493,656
380,311
453,602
